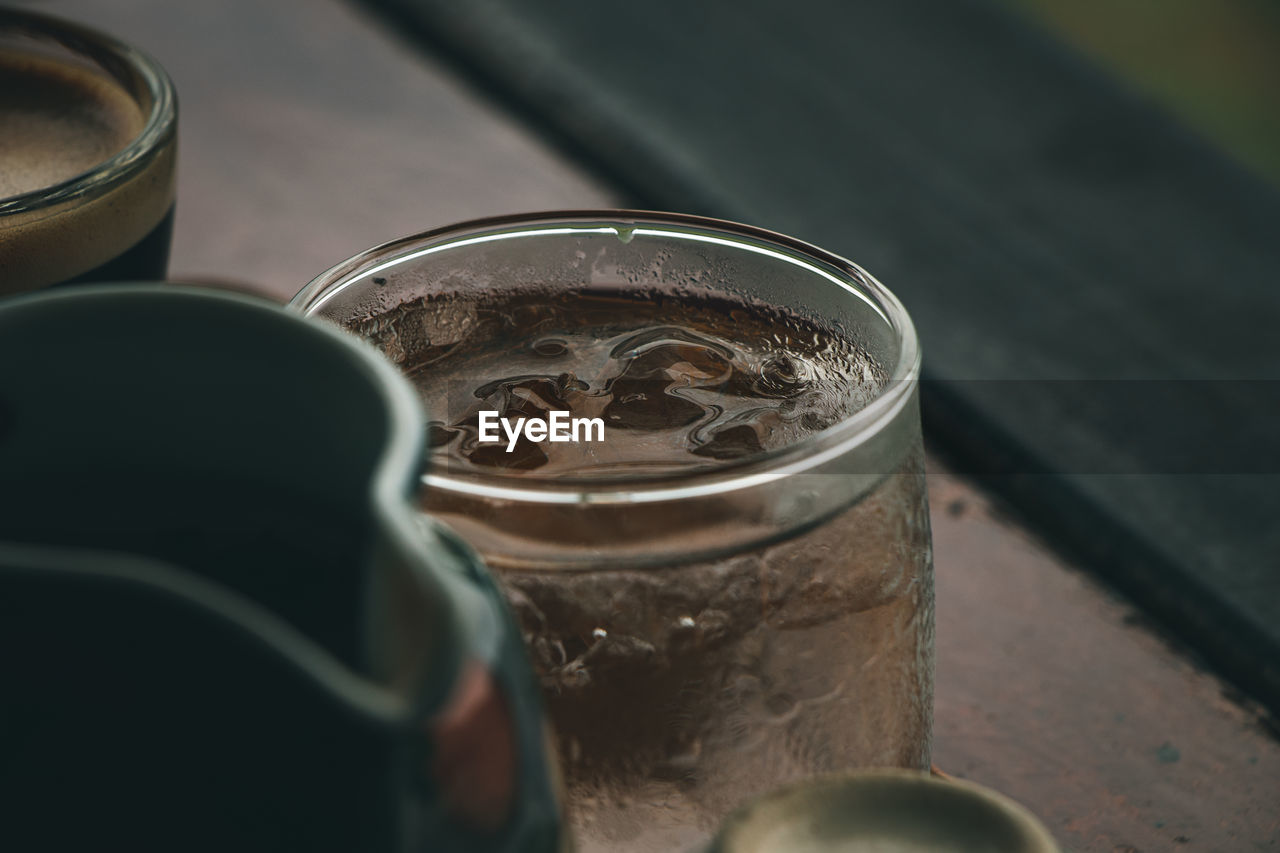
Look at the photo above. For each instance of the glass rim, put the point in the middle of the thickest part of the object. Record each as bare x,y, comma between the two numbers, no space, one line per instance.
102,49
753,471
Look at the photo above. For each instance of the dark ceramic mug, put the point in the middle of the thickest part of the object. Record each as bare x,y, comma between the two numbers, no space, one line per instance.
222,624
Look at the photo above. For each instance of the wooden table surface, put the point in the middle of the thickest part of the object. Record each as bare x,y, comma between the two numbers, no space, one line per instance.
308,133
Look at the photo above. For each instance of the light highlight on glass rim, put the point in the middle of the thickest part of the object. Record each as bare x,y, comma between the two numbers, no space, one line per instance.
770,253
452,244
608,229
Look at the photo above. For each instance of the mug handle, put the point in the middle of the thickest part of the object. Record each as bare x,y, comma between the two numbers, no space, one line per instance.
489,780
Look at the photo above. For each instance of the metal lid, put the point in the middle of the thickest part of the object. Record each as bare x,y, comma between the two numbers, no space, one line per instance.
883,811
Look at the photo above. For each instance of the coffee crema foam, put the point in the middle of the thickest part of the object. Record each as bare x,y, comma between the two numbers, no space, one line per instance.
60,120
679,383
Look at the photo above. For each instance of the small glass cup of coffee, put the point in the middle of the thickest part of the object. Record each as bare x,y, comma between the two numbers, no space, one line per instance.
691,452
88,146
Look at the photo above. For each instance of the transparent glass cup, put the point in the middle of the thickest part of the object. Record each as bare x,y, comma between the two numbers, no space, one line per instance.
103,207
701,635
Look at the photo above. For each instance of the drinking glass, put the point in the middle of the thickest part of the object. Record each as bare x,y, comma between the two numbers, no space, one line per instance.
701,635
114,221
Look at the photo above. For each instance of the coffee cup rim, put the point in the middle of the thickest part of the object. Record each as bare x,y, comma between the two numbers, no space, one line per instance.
159,127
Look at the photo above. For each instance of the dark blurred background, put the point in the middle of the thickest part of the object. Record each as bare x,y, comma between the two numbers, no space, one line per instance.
1212,63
